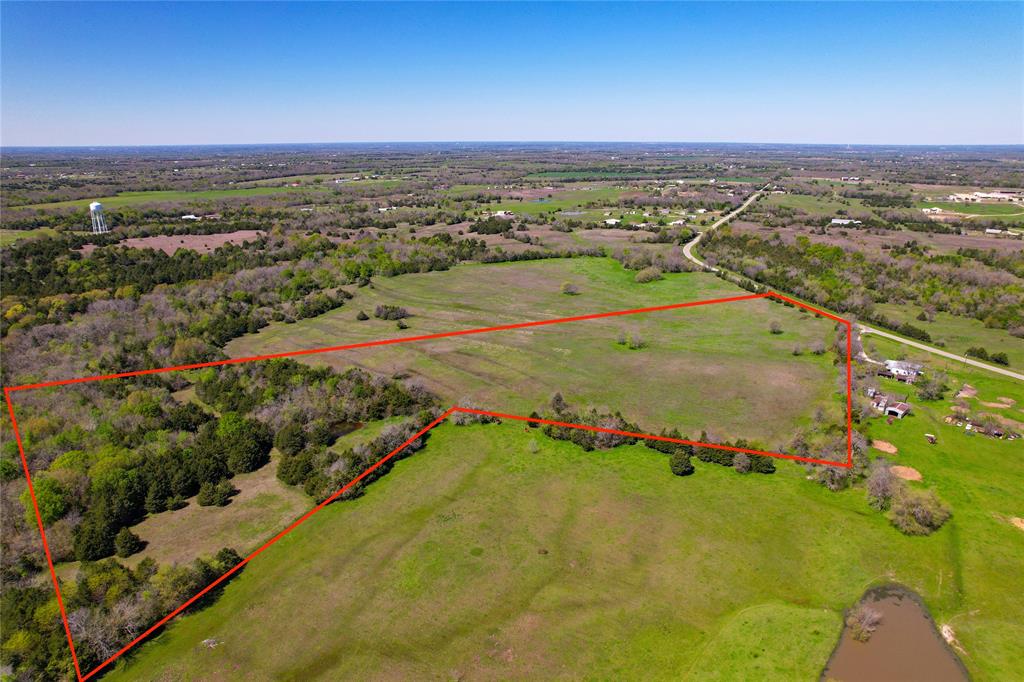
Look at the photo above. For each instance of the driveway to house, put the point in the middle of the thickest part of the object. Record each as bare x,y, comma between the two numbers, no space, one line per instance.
688,252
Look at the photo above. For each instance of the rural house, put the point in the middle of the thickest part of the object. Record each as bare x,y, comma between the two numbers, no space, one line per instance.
901,370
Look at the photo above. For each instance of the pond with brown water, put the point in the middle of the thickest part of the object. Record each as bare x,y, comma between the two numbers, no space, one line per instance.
903,646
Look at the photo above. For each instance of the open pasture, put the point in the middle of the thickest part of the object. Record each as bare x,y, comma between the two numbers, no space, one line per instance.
714,367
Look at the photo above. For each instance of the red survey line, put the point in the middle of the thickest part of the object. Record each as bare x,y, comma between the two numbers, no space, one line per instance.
42,533
384,342
294,524
337,494
645,436
849,367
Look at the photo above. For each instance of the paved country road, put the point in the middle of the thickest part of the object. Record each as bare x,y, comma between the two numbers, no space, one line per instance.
688,248
688,252
945,354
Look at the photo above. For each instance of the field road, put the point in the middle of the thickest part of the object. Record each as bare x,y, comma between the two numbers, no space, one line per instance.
688,252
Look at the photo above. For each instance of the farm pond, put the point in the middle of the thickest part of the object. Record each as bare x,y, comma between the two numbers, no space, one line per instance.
889,635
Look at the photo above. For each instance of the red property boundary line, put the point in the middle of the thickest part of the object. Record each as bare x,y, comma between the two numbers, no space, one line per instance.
386,342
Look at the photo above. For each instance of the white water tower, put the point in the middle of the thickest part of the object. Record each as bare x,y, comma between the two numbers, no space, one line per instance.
99,223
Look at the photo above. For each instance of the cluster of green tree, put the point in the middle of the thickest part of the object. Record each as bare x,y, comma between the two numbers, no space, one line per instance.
588,440
47,267
851,280
491,225
981,353
318,396
123,489
390,312
108,605
873,197
741,461
1008,260
50,283
679,453
308,461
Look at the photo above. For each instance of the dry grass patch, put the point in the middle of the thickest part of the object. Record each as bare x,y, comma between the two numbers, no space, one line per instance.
262,506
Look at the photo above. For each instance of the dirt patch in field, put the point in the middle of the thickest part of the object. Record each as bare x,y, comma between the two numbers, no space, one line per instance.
1001,402
1018,521
967,391
885,446
1006,422
907,473
201,243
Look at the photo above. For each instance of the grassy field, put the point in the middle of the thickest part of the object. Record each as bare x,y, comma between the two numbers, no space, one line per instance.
1009,213
262,506
8,237
487,557
177,196
714,367
559,201
959,333
812,204
975,209
496,553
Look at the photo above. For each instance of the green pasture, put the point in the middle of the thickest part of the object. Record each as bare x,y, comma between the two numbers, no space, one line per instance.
495,553
714,367
8,237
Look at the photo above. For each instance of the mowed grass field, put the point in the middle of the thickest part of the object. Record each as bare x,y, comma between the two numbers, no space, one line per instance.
714,367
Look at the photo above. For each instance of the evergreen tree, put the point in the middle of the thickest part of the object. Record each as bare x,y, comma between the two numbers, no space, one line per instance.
127,543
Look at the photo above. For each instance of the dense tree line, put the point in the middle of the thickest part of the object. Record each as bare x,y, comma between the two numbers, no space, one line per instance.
107,604
852,280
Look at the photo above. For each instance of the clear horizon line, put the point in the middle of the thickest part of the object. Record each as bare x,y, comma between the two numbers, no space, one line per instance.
510,142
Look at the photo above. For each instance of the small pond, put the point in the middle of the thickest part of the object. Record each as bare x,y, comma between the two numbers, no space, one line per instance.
904,643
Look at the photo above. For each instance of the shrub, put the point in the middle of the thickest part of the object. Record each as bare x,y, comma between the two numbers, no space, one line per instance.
569,289
636,342
218,495
760,464
775,327
402,324
917,512
127,543
741,463
649,274
881,485
362,316
390,312
1000,359
680,463
863,621
977,352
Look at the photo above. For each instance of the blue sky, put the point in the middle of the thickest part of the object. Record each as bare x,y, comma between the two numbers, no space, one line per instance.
196,73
